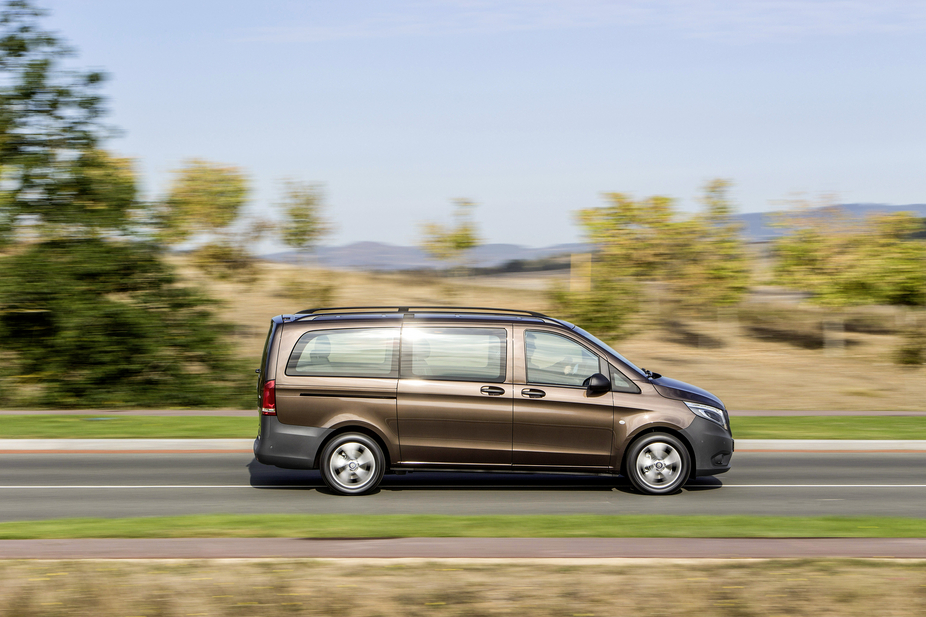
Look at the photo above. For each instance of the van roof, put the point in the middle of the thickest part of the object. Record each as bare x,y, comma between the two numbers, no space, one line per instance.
421,309
468,313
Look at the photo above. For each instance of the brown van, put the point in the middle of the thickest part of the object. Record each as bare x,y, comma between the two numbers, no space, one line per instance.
357,392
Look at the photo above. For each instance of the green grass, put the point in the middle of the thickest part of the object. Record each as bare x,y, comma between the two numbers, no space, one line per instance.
126,427
216,427
829,427
413,525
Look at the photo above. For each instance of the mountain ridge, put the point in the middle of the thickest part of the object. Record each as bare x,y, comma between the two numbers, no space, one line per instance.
372,255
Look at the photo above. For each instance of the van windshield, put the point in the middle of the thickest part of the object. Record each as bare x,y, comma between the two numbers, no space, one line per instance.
610,350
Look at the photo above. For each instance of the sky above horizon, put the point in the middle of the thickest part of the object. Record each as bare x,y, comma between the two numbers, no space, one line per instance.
530,108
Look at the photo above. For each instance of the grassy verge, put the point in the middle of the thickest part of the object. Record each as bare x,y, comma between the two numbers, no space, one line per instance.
215,427
498,526
829,427
126,427
361,587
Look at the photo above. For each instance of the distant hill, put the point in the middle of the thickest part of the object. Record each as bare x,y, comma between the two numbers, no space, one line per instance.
758,227
382,256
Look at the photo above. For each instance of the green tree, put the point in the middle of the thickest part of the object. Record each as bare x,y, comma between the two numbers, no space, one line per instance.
634,242
303,226
204,198
605,308
640,239
845,262
89,315
48,116
204,202
450,243
701,260
97,323
712,268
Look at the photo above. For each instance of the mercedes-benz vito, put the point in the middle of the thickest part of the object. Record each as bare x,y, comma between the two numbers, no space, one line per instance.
357,392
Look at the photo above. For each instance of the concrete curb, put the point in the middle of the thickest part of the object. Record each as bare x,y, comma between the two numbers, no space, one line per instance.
165,446
132,412
830,445
10,446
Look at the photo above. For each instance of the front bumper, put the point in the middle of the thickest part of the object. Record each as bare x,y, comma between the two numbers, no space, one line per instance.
287,445
712,445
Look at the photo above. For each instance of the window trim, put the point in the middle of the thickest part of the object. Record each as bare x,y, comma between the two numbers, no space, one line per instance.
396,348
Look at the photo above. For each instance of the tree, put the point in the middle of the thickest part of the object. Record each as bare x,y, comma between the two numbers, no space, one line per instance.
450,243
89,314
304,224
604,308
638,238
204,202
48,117
634,242
701,259
714,270
204,198
97,323
845,262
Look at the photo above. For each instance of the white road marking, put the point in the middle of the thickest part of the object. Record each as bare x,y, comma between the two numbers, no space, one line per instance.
166,486
539,487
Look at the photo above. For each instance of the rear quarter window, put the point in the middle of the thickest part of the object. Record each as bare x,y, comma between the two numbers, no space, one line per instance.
353,352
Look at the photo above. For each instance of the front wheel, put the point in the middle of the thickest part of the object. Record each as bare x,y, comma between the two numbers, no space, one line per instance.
658,464
352,464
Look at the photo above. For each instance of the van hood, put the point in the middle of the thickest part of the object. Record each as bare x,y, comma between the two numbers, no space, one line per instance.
681,391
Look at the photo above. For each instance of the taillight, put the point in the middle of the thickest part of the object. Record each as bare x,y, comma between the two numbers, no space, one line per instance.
268,399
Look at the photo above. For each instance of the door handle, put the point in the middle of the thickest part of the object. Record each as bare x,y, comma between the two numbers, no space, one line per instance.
533,393
492,390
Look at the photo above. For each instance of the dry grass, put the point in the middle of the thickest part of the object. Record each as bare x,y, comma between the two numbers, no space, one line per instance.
721,356
358,587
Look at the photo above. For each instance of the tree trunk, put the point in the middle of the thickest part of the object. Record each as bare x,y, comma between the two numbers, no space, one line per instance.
834,335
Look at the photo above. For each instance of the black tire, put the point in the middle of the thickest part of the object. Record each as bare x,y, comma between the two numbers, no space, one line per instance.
658,464
352,464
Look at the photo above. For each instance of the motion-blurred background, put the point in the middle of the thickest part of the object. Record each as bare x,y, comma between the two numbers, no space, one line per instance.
730,193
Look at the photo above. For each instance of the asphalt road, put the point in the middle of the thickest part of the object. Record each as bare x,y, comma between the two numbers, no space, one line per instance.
41,486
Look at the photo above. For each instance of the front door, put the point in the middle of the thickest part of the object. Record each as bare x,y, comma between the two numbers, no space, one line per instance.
557,422
455,395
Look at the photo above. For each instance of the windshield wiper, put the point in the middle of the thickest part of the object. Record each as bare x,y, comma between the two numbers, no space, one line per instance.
651,374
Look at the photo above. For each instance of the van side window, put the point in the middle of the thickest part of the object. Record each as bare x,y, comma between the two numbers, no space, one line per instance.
455,354
355,352
556,360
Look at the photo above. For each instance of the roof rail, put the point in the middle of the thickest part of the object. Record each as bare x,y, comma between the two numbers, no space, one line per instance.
414,308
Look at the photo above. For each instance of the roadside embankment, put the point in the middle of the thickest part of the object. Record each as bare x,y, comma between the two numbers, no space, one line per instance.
458,588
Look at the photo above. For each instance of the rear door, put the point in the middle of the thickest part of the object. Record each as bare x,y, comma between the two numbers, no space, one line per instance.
556,422
455,395
333,375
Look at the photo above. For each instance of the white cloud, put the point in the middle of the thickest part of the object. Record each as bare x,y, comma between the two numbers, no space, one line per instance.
732,20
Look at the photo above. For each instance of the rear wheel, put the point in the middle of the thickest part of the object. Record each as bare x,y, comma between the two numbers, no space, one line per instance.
352,464
658,464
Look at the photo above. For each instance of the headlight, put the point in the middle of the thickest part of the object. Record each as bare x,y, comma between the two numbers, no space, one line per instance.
708,413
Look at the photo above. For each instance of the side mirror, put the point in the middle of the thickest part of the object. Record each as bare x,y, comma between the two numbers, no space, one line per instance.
597,384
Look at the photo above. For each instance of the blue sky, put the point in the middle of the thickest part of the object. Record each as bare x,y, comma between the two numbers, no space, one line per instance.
531,108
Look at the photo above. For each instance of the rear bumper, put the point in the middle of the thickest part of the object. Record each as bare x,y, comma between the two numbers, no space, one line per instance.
712,445
287,445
